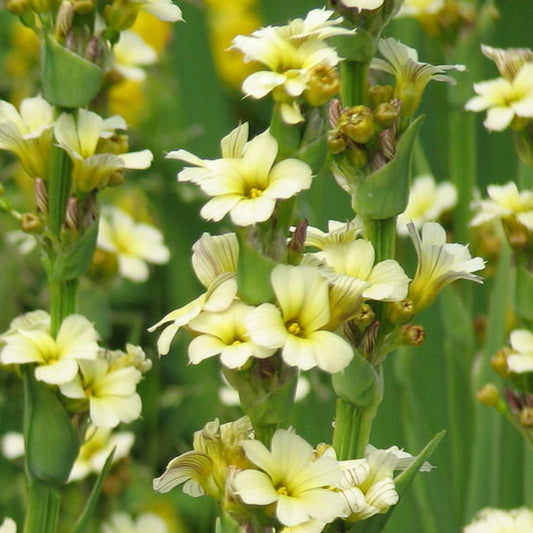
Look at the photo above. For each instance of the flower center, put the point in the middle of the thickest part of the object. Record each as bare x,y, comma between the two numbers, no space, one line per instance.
282,491
294,328
254,192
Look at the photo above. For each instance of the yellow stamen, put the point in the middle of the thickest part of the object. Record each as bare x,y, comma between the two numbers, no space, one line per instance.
294,328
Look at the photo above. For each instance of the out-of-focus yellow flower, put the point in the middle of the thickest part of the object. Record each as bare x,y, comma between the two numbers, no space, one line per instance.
154,32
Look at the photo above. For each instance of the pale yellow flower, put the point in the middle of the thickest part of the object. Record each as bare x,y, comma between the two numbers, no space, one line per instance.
505,202
337,232
520,359
57,359
247,185
110,391
298,326
96,448
439,264
504,99
145,522
135,244
86,139
28,134
225,334
204,470
363,4
491,520
427,201
298,485
12,444
162,9
214,261
8,526
417,8
130,54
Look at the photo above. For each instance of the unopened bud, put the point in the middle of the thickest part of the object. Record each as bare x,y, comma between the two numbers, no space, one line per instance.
386,113
380,94
116,178
526,417
357,122
413,335
18,7
296,245
64,19
400,313
44,6
488,395
364,317
71,214
120,15
356,156
499,363
116,144
41,196
83,7
336,141
322,86
31,223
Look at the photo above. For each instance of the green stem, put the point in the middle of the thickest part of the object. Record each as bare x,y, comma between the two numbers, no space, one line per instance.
288,136
58,188
354,82
382,234
63,301
43,508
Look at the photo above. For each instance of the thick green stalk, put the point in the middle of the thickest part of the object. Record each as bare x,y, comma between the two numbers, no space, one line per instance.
63,301
58,188
353,77
382,234
43,508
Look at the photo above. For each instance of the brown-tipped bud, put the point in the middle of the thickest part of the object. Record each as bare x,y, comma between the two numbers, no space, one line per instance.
357,122
413,335
380,94
120,15
356,156
364,317
368,342
296,246
31,223
41,196
387,144
400,313
336,142
386,113
322,86
526,417
499,363
72,215
488,395
334,112
18,7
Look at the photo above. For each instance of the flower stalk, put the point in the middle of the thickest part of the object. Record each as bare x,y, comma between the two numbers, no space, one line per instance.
43,508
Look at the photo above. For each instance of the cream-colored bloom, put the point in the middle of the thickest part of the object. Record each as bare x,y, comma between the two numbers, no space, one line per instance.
312,526
363,4
28,133
411,75
337,232
505,202
417,8
354,261
162,9
508,61
95,449
110,391
225,334
130,54
439,264
520,359
87,140
133,356
8,526
204,470
145,522
292,479
504,99
247,185
214,260
12,444
24,243
491,520
57,359
134,243
427,201
293,53
298,326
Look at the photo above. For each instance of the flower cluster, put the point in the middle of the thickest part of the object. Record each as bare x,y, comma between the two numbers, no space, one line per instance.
492,520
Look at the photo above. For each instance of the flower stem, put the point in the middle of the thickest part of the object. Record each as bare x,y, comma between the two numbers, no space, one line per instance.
382,235
43,508
63,301
353,78
58,188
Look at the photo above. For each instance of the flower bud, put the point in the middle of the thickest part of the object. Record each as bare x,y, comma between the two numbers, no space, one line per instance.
18,7
116,144
400,312
357,156
488,395
322,85
336,142
357,122
120,15
84,7
43,6
116,178
31,223
413,335
499,363
380,94
385,114
364,317
526,417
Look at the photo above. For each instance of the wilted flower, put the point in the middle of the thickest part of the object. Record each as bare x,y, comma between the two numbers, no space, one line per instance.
88,141
28,134
96,448
110,391
411,75
204,469
439,264
296,55
298,326
491,520
214,260
145,522
57,358
135,244
427,201
520,359
504,99
248,183
292,479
